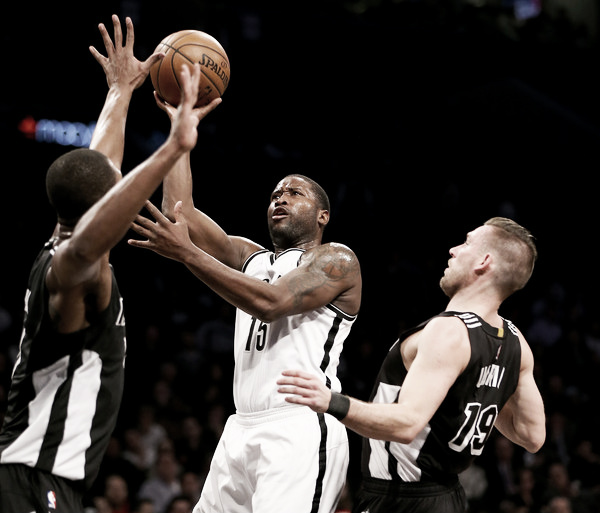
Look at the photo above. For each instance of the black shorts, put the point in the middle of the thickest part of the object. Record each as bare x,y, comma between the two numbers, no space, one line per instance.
27,490
381,496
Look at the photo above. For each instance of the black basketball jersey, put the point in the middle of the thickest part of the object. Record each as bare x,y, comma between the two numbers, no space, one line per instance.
66,389
457,432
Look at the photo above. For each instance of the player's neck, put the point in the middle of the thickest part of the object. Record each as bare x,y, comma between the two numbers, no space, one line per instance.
484,304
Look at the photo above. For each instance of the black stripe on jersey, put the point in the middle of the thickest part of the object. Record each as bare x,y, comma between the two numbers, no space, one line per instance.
335,309
329,342
322,464
58,417
392,462
253,255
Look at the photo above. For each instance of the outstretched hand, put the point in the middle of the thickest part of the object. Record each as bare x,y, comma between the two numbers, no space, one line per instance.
163,236
171,110
305,389
186,117
121,67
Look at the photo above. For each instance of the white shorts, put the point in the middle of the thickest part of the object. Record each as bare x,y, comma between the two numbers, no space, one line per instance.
289,460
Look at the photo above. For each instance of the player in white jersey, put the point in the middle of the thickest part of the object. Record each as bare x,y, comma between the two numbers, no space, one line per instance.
295,305
314,342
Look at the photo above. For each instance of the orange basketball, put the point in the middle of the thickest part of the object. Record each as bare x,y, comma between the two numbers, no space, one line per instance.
185,48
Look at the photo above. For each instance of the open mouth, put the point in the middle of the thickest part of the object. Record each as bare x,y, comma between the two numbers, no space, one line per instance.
279,213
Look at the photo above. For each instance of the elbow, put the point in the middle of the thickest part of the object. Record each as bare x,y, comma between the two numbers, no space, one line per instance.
268,308
266,314
406,433
403,437
536,442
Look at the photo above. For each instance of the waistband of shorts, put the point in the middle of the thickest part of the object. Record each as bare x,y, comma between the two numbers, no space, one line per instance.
413,489
259,417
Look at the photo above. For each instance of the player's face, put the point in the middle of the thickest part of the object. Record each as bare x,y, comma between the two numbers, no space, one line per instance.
293,213
464,260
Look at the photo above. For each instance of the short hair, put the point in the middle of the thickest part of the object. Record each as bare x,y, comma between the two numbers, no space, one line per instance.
322,197
518,253
76,180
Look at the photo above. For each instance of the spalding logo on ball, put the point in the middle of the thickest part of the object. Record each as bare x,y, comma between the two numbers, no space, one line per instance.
187,47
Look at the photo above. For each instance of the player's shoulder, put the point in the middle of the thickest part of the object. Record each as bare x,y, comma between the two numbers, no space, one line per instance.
450,329
334,249
332,254
448,324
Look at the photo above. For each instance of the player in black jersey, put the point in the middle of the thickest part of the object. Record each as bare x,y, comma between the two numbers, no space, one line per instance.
68,378
445,384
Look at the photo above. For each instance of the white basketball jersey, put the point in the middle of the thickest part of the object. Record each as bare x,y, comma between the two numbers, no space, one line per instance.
311,341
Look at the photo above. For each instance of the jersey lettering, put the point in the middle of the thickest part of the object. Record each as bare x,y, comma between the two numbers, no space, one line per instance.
491,376
257,334
121,316
476,428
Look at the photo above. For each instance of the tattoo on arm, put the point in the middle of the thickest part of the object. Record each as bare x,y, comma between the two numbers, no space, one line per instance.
325,266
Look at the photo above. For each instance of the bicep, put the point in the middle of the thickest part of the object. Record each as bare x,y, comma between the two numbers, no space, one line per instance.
522,419
324,273
443,352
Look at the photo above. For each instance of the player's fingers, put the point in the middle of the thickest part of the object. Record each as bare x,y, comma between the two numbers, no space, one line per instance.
117,31
154,211
97,55
108,44
139,243
141,230
129,35
178,212
187,93
205,109
296,373
142,222
293,390
150,61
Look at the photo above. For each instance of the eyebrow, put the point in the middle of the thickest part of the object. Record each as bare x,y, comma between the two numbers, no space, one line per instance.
288,189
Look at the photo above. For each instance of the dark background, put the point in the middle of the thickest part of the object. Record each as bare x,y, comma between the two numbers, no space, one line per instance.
421,119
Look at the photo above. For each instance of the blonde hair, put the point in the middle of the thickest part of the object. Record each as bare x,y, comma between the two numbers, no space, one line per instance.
515,246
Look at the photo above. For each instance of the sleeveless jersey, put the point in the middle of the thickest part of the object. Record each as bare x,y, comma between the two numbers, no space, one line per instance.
310,341
457,432
66,388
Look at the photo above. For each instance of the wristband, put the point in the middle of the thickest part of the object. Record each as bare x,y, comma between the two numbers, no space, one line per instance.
338,405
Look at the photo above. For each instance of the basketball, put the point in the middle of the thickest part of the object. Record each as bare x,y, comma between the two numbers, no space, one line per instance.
187,47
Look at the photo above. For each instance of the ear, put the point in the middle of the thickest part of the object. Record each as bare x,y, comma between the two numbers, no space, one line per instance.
323,218
484,264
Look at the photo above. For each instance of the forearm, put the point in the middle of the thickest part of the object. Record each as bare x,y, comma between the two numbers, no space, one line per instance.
204,232
523,421
252,295
108,220
109,134
178,186
380,421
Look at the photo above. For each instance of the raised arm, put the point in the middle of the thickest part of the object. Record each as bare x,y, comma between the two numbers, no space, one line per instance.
124,73
204,231
79,258
327,273
522,420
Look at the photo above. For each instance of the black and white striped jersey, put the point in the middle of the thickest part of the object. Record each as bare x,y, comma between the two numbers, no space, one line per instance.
457,432
310,341
66,389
